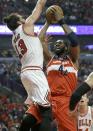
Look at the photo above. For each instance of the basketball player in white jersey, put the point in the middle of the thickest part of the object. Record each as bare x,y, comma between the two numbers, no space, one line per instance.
85,115
29,49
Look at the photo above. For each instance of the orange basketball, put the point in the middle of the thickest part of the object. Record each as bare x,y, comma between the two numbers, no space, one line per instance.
50,16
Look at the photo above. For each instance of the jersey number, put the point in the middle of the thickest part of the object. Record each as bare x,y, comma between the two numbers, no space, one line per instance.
22,47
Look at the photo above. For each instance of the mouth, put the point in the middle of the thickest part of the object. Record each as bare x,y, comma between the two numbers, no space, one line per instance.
82,101
57,48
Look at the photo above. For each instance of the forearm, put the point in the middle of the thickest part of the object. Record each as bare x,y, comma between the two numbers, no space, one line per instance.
42,37
42,2
42,33
36,12
66,28
70,34
47,55
76,96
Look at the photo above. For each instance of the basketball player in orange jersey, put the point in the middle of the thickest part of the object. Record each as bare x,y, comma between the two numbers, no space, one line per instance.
85,115
29,49
62,73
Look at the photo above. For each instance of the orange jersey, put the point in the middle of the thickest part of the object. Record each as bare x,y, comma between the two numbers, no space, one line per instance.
62,76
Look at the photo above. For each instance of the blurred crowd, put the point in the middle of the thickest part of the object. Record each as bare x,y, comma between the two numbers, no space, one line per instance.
76,11
10,114
6,53
86,66
9,76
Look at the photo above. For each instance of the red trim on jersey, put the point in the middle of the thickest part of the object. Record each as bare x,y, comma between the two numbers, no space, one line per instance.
31,68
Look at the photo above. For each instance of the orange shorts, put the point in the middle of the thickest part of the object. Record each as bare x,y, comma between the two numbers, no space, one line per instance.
60,108
34,110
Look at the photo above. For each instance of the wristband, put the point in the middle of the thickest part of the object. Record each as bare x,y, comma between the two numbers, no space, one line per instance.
61,22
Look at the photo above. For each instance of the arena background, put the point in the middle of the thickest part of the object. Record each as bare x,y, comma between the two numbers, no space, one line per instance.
78,14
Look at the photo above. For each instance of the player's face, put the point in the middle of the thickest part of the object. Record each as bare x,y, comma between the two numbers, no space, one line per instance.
83,101
59,47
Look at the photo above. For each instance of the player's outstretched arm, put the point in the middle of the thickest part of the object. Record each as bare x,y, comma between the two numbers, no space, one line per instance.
74,43
36,12
74,50
42,33
72,37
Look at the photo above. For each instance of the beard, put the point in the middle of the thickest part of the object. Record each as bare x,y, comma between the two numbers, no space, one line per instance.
59,51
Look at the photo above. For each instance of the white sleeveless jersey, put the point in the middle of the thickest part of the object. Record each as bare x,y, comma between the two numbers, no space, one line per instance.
28,48
85,122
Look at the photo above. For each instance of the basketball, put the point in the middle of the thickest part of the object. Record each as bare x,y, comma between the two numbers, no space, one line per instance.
50,16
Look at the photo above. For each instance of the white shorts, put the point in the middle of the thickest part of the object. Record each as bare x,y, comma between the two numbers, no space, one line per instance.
36,85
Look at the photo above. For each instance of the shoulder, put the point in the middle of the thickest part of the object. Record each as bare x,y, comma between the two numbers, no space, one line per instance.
28,29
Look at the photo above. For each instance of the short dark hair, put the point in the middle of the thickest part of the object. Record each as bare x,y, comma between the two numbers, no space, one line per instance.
12,20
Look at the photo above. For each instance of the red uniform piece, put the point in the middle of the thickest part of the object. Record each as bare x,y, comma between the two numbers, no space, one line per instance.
62,78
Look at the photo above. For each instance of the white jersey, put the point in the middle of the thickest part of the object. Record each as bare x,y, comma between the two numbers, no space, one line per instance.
28,48
30,52
85,122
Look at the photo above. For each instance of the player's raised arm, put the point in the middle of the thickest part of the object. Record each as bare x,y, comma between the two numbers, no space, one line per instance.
42,33
74,44
43,37
36,12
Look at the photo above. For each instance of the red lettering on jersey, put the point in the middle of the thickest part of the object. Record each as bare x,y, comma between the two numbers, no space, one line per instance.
22,49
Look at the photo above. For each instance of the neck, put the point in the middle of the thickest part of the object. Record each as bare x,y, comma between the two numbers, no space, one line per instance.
83,109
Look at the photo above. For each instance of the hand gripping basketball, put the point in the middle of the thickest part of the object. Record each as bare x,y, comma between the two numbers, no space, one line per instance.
54,14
